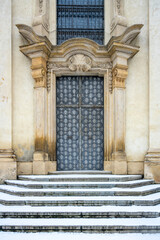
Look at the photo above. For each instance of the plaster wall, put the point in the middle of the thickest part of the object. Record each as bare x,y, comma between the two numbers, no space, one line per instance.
152,159
154,73
5,76
23,86
137,89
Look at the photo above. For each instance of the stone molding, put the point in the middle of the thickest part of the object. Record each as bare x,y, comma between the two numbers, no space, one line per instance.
126,38
152,164
30,36
7,154
153,155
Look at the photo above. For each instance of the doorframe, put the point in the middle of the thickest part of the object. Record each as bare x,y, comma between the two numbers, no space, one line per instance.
108,115
107,126
84,57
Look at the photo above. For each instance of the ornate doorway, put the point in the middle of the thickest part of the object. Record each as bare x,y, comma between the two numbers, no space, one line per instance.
80,57
80,123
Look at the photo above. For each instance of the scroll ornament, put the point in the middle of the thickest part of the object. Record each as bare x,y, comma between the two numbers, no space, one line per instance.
80,63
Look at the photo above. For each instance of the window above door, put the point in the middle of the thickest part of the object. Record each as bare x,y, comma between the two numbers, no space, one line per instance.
80,19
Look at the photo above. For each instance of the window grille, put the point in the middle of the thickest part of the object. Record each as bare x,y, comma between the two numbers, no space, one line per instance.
80,18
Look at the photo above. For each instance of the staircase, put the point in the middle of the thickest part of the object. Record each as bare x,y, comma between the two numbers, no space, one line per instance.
80,202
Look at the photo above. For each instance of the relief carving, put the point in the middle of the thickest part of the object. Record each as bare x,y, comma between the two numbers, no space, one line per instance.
103,66
80,63
118,16
40,6
48,77
118,5
39,71
110,80
119,74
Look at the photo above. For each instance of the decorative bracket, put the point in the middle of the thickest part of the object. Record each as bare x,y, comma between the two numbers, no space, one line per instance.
39,71
119,74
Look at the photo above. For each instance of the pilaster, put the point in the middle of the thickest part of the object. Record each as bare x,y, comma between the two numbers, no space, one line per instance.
119,160
40,102
120,50
8,165
152,158
38,50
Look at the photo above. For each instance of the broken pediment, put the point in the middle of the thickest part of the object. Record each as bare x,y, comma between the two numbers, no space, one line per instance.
80,55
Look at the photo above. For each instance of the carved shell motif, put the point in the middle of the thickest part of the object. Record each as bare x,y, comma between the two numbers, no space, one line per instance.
80,63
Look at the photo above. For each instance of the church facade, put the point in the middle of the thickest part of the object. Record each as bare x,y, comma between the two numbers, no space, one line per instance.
79,87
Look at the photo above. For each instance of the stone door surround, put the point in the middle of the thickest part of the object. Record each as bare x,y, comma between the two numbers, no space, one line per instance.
78,57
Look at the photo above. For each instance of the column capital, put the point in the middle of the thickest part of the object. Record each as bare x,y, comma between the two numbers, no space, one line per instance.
39,71
119,73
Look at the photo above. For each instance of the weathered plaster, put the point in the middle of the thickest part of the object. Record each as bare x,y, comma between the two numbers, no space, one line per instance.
23,127
137,90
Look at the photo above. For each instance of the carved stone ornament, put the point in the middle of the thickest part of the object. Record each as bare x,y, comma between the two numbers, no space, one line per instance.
40,6
128,36
80,55
119,75
80,63
118,6
30,36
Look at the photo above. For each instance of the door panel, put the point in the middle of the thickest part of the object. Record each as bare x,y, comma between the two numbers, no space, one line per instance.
80,123
68,138
92,91
92,139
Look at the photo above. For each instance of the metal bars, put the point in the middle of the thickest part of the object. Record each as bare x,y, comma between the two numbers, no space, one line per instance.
80,18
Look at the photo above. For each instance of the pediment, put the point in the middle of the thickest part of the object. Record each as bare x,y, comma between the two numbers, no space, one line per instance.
80,55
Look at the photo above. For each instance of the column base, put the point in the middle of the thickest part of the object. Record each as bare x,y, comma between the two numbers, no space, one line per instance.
119,163
152,165
135,167
25,168
41,163
8,165
107,166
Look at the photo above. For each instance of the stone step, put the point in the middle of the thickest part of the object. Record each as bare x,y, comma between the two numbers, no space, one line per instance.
139,191
80,178
146,225
80,212
74,185
148,200
79,172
